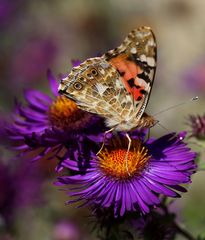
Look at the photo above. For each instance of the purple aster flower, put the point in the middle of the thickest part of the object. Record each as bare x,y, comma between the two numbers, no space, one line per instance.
49,125
157,166
197,124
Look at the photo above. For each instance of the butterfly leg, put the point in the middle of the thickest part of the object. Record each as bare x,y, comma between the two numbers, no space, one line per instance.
128,149
104,137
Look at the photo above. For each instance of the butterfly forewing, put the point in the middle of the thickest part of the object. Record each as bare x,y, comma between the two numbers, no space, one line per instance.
135,60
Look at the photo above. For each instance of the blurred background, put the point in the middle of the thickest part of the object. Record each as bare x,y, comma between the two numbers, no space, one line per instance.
37,35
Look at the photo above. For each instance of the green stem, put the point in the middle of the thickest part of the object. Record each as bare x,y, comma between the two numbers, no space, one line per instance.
183,232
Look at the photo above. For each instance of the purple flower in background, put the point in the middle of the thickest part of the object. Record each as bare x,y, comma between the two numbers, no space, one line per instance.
31,59
157,166
20,186
195,77
66,230
50,125
8,11
197,124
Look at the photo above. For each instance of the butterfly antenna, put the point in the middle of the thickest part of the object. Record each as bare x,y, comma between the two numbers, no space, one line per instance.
163,127
177,105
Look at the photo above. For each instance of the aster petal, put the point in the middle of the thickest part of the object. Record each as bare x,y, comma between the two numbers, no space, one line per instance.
151,198
21,147
118,195
175,167
53,82
17,138
132,197
179,188
175,175
139,200
128,201
94,190
163,180
158,188
176,157
32,116
123,201
73,165
79,178
37,99
109,194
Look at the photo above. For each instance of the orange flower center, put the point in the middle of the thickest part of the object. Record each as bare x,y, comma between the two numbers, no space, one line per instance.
120,164
65,114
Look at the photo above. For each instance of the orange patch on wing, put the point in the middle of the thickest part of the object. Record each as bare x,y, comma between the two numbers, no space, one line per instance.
138,96
129,70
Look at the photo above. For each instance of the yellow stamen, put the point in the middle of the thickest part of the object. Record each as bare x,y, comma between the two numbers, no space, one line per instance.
65,114
112,161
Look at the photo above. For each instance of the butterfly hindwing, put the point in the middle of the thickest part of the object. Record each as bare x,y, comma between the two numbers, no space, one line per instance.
96,87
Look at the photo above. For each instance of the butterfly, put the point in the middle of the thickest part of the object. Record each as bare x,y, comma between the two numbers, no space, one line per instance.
118,84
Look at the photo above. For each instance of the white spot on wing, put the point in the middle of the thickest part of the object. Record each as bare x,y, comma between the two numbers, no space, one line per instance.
140,81
133,50
143,58
104,65
151,43
102,71
151,61
101,88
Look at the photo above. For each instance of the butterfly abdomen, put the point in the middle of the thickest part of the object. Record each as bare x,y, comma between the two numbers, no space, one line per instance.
146,121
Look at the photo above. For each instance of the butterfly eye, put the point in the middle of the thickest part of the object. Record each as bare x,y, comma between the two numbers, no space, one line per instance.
94,72
78,86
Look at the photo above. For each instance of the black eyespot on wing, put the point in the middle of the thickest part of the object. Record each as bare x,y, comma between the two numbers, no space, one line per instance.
78,85
94,72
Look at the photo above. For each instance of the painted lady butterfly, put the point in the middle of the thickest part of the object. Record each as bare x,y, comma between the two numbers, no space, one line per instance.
118,84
